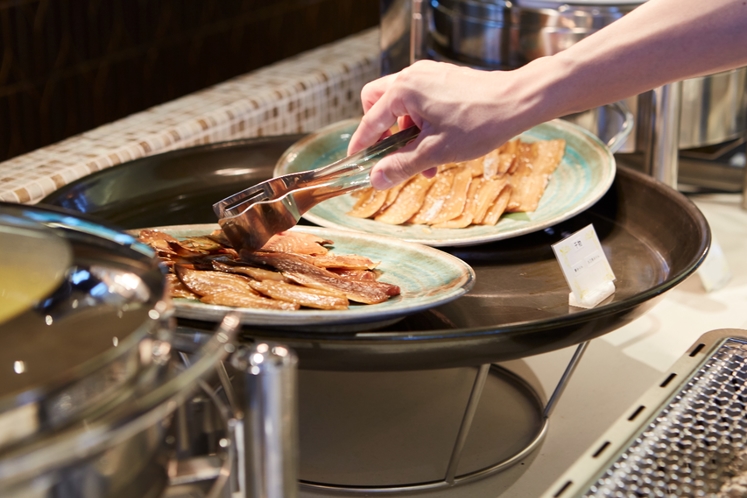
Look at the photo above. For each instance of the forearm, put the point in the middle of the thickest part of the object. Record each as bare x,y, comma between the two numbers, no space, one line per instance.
465,113
659,42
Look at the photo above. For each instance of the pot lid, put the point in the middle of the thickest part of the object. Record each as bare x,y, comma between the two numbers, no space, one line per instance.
84,297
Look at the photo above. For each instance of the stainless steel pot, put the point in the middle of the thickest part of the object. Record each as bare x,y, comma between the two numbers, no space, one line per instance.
714,109
119,452
507,34
546,27
473,31
87,383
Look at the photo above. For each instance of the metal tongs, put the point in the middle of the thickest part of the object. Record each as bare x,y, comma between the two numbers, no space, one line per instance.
250,217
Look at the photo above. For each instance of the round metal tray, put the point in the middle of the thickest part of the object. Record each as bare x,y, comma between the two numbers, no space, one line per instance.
653,236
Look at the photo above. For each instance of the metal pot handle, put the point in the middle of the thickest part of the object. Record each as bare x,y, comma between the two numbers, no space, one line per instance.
616,142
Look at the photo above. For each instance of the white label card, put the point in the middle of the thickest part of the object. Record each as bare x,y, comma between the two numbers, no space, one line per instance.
585,267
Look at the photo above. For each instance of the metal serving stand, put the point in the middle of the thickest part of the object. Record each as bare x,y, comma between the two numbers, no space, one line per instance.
243,443
438,359
686,436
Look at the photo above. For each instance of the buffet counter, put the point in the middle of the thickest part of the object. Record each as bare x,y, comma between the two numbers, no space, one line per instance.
323,86
296,95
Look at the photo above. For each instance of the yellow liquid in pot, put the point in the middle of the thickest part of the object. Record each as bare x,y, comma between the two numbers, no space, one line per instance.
18,292
33,263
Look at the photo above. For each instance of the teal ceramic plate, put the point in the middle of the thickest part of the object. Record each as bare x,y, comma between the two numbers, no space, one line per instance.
426,276
582,178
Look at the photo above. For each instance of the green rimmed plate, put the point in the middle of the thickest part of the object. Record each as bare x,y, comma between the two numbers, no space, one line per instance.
582,178
427,277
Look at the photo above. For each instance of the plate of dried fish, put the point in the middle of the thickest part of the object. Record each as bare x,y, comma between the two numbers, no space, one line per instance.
548,174
307,276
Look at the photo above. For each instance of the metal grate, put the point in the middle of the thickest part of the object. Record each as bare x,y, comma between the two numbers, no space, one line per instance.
691,447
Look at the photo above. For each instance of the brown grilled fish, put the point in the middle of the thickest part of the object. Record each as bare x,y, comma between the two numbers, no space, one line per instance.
302,272
303,296
226,289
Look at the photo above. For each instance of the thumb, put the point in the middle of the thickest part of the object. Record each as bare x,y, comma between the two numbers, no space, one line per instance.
398,167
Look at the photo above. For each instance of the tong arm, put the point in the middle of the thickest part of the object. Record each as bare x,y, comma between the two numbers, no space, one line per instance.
354,171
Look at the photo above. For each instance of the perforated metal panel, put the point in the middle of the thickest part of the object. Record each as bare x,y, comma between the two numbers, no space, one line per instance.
688,444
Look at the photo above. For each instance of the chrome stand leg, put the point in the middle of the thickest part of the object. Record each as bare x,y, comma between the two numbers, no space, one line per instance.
469,415
562,384
267,433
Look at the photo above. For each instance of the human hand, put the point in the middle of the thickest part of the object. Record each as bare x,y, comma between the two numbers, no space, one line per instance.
462,114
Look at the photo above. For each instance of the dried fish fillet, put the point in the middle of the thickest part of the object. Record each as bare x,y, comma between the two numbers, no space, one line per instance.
474,166
507,157
454,203
250,271
303,296
489,190
549,155
228,298
302,272
392,195
227,289
344,261
524,167
203,245
490,164
297,243
369,203
365,275
176,288
468,213
435,198
158,240
205,270
210,282
537,161
498,208
408,202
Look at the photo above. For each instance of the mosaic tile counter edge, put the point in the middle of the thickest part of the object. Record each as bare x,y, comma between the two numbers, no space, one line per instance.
299,94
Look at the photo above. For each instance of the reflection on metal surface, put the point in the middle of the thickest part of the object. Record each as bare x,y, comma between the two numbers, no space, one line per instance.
662,152
267,433
396,18
714,108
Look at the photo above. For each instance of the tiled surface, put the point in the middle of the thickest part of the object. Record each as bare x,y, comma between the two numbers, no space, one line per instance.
299,94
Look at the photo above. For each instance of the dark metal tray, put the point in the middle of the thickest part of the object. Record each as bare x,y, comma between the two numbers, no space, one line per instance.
653,236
